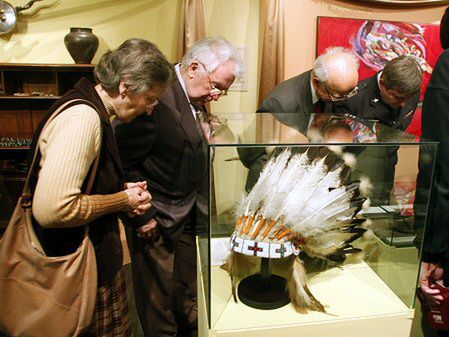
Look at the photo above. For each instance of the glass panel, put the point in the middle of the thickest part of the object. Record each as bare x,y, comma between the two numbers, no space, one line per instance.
239,128
389,262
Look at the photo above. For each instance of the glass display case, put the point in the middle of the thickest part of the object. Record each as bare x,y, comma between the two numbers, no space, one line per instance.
374,287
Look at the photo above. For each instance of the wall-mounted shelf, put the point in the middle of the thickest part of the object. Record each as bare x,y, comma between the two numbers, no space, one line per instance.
27,91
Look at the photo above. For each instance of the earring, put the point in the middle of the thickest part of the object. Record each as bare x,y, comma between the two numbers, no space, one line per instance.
124,93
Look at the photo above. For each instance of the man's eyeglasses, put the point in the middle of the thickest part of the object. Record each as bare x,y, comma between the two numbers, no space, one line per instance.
337,97
214,91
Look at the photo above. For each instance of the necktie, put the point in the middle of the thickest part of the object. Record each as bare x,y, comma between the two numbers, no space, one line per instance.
318,107
203,122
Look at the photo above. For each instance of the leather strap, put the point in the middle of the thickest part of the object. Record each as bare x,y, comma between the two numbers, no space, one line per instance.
26,195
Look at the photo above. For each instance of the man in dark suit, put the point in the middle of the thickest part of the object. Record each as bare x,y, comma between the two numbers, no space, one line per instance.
168,149
435,124
391,96
333,78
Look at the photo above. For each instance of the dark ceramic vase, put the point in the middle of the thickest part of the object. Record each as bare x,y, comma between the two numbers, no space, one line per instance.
82,44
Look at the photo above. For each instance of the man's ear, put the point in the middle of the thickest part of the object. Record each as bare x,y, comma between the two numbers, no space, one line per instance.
193,69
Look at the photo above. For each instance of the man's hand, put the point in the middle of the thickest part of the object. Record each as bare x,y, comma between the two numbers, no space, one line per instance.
434,271
149,231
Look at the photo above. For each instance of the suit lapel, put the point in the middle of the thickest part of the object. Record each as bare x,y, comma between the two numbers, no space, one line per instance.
306,95
375,103
185,117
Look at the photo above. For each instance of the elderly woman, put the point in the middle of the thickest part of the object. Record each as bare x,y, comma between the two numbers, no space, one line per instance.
130,80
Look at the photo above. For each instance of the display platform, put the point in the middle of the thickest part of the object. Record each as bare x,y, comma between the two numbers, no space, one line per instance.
356,300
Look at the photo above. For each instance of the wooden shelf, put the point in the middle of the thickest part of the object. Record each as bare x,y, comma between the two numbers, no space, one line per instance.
46,67
28,97
20,115
14,148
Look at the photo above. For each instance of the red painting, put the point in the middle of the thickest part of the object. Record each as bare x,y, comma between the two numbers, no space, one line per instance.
376,42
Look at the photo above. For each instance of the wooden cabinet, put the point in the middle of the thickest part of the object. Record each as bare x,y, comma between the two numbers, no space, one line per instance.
26,93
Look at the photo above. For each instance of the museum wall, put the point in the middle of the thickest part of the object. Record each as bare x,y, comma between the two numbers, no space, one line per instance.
39,34
301,24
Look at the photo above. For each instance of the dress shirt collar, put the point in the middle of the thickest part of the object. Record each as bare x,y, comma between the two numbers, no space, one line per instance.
314,95
379,74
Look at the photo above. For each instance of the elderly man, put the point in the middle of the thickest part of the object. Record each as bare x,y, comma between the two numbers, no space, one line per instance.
391,96
168,149
333,78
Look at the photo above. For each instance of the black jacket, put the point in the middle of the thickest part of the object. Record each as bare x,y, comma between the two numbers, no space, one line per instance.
435,125
166,149
368,104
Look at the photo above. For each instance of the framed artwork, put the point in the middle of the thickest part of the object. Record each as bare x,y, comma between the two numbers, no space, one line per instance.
376,42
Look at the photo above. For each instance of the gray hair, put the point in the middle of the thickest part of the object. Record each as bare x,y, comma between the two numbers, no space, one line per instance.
404,74
321,67
138,62
212,52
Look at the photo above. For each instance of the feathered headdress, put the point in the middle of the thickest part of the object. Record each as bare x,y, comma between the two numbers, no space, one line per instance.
303,201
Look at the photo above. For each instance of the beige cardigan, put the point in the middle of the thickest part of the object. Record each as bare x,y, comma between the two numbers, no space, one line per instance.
68,146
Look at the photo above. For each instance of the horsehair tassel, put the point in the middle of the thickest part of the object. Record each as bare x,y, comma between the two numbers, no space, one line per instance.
248,228
269,228
259,227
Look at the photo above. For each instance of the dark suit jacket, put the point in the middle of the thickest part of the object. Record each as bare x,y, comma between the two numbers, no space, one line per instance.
368,104
167,150
291,96
435,123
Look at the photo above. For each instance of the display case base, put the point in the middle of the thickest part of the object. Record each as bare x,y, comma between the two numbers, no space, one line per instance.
357,301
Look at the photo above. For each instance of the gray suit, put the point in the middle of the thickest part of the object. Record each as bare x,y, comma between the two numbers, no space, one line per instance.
290,102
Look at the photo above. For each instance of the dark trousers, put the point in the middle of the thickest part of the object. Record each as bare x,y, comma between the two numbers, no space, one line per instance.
165,285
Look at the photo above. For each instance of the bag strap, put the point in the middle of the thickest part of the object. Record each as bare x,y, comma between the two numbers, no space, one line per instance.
26,195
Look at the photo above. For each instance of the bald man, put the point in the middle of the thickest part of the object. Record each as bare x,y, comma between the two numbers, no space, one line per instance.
333,78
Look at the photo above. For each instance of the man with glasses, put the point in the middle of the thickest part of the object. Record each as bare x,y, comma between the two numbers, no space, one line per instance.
391,96
168,149
333,79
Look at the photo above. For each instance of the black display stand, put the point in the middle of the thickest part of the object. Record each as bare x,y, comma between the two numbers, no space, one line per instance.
264,291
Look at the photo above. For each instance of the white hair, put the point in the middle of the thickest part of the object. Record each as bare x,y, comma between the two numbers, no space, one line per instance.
212,52
321,67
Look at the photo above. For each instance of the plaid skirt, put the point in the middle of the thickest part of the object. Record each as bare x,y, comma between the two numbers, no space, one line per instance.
111,316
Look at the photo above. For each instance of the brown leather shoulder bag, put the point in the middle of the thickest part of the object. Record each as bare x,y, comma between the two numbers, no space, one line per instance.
42,295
